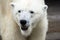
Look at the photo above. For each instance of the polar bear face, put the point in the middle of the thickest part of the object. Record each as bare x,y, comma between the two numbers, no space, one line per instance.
27,15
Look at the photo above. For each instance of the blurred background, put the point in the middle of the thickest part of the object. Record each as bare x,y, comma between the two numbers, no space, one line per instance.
54,20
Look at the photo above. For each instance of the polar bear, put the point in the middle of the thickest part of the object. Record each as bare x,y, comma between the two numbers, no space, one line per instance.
28,21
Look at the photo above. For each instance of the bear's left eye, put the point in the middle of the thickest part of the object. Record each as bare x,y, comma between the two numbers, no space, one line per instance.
31,12
19,11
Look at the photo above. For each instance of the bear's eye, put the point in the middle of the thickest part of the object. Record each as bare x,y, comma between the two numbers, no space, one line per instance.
19,11
31,12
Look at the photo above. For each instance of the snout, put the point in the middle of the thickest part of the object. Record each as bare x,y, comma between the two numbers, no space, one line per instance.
24,25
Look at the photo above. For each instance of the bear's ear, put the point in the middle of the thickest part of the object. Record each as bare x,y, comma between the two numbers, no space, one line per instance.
12,4
45,7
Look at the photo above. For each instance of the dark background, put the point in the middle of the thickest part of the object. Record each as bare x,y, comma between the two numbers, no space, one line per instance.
54,19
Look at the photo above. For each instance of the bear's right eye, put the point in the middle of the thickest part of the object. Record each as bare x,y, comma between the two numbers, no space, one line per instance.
19,11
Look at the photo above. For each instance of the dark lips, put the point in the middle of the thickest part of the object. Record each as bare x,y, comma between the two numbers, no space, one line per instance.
24,28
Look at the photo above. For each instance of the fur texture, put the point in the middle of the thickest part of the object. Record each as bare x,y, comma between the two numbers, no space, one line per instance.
37,22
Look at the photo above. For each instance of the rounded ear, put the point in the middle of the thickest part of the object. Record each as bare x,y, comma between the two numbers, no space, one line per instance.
12,4
45,7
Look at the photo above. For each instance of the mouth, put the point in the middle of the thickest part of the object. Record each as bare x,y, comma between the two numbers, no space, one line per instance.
24,28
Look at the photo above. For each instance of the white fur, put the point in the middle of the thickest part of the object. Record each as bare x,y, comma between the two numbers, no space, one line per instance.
37,22
26,33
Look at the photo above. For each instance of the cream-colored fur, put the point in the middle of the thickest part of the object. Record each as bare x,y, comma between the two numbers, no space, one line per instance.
10,30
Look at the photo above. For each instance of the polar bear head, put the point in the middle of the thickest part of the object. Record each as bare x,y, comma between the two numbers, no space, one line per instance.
27,14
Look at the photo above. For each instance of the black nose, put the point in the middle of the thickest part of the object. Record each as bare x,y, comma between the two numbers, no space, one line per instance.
23,22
